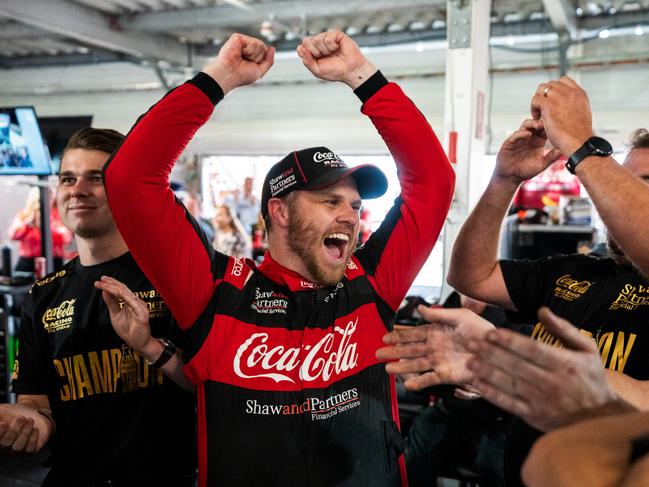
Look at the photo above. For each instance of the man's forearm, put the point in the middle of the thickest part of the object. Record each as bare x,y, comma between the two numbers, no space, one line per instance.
622,200
634,392
475,253
172,368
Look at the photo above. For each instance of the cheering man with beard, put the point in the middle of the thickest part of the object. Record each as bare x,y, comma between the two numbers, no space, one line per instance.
289,391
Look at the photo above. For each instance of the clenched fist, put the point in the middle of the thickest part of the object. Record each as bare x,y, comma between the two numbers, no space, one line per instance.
241,61
334,56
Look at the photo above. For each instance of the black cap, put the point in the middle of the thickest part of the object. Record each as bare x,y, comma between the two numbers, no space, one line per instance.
316,168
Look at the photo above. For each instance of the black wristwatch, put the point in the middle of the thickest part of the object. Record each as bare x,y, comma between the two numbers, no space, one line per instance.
167,352
595,146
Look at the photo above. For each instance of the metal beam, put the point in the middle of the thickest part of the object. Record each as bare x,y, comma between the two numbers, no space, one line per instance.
620,19
93,28
563,17
21,31
224,16
42,61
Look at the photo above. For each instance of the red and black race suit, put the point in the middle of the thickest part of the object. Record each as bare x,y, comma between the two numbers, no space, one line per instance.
289,391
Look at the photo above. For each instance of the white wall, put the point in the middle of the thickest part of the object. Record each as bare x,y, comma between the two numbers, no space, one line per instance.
278,118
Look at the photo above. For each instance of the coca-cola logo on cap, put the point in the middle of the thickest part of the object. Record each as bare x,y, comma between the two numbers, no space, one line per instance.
329,159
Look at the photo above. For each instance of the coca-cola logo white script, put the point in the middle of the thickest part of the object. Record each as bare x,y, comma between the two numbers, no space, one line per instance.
261,358
324,156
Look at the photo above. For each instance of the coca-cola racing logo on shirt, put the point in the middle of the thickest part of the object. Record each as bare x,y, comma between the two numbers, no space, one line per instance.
333,354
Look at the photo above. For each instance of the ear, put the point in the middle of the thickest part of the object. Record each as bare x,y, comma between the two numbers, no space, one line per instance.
279,212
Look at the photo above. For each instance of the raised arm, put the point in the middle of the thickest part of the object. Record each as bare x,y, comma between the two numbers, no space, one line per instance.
160,233
565,112
477,273
396,251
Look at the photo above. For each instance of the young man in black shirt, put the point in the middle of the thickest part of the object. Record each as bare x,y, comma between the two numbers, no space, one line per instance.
105,410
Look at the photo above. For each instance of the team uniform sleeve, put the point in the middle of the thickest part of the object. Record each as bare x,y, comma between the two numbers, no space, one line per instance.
394,254
528,283
166,242
33,359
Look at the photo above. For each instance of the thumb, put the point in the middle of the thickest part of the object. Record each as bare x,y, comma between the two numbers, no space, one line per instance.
566,332
307,59
268,61
552,156
446,316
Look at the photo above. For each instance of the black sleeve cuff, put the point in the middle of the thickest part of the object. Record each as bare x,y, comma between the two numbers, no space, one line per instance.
209,86
373,84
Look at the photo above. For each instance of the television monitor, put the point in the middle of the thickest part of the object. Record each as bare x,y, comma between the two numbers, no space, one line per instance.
56,132
22,151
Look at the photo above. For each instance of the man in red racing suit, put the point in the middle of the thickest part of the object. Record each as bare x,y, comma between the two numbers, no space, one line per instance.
289,391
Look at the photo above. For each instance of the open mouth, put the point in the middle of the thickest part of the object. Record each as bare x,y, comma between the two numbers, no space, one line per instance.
335,245
81,208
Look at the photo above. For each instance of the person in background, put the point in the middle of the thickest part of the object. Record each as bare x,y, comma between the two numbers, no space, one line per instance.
108,413
230,237
259,239
246,205
193,204
26,229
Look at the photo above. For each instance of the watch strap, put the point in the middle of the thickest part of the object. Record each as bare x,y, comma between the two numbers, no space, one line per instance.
578,156
168,351
589,148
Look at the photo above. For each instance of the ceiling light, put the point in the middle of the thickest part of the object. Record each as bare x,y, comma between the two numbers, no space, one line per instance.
352,31
267,31
579,11
604,34
512,17
593,8
417,25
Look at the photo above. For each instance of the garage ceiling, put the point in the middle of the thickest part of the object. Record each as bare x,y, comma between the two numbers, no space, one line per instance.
174,33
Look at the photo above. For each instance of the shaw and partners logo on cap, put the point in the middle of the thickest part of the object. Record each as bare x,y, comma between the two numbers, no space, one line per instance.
281,182
332,355
328,159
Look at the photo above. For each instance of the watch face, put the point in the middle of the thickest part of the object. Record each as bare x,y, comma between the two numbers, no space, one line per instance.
600,145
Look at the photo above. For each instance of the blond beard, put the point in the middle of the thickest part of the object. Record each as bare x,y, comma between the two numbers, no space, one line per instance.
300,237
